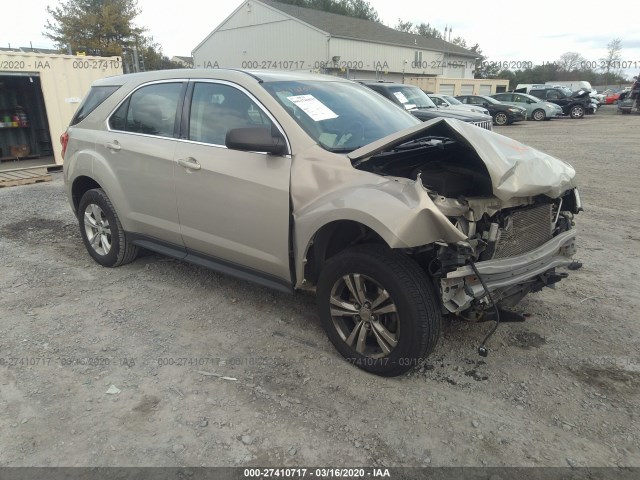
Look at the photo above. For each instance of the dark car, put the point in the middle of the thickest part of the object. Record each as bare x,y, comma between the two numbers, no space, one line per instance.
415,101
501,113
573,104
625,102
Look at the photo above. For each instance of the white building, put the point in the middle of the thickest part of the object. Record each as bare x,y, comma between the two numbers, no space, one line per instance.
264,34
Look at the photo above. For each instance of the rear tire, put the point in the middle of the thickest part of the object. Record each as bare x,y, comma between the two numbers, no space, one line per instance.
378,309
102,232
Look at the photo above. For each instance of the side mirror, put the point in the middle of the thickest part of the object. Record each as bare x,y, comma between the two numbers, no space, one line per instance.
256,139
485,104
530,101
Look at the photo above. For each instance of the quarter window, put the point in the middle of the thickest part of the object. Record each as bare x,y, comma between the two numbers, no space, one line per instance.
150,110
218,108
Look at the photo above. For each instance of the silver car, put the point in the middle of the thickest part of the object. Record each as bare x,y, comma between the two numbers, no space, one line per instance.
298,181
452,103
537,109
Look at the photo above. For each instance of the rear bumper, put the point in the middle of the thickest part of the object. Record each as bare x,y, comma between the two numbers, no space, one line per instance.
461,286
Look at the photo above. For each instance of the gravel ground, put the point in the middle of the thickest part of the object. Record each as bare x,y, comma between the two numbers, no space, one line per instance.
208,370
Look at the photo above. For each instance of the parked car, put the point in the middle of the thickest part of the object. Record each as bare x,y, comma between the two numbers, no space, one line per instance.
625,103
502,114
573,104
612,98
299,181
536,109
418,103
452,103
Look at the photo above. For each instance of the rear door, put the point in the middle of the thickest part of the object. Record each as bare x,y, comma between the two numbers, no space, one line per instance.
138,146
233,205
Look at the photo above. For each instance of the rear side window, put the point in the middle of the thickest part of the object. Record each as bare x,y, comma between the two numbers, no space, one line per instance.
96,96
151,110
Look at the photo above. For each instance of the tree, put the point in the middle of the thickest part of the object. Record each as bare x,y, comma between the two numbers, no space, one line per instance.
426,30
484,68
612,58
96,27
351,8
150,57
406,27
362,9
570,61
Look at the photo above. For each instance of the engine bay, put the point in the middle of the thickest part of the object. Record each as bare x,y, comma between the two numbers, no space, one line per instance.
445,166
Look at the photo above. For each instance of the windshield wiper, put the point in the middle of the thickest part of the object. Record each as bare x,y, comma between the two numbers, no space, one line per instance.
343,149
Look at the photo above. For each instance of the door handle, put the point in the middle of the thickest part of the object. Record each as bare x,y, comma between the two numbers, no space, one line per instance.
190,163
114,146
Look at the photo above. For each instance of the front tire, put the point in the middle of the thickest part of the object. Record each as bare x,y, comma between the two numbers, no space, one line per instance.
576,111
102,232
538,115
378,309
500,118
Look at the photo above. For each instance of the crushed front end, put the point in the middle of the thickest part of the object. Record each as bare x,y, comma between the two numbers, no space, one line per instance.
513,205
516,250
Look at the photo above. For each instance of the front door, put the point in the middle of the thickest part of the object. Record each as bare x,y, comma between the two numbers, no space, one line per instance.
233,205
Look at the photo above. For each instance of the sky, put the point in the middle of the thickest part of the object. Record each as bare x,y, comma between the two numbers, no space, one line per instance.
535,32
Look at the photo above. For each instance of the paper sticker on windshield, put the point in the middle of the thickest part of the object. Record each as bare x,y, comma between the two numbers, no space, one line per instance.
400,96
313,107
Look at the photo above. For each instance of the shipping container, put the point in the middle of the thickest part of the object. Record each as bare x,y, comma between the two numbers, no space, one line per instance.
39,93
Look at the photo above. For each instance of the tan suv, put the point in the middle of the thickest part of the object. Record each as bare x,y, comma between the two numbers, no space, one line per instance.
299,181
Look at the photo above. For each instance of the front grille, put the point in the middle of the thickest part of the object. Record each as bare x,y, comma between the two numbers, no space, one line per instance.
525,230
487,125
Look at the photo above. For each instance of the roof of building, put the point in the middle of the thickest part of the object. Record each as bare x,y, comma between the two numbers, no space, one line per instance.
187,60
367,30
46,51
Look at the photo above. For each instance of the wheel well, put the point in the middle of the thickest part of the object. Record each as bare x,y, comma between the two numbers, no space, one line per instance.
332,239
80,186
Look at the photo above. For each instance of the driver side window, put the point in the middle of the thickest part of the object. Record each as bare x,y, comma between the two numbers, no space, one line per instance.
218,108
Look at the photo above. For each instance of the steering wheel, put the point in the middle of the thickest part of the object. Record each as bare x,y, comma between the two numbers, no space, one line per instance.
352,134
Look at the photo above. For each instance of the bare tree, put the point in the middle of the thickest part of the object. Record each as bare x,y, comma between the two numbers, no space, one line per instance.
611,61
570,61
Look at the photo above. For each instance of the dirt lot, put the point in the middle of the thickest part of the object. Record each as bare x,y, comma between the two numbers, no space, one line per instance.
561,388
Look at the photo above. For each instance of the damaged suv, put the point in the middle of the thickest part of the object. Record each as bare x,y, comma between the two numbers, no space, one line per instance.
309,182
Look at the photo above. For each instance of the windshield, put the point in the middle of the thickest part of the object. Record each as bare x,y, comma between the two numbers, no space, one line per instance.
452,100
340,116
411,97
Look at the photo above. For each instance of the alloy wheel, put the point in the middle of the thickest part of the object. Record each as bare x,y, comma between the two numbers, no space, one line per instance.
364,315
97,228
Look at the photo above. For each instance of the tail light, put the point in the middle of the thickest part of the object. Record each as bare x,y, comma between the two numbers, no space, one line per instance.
64,140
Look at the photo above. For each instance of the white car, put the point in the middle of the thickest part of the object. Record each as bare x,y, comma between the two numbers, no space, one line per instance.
447,101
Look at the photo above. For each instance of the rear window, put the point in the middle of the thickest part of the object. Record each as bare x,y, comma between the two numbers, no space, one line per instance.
96,96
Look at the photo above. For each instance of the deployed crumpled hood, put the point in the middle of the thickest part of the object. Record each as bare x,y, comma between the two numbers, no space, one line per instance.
580,94
516,170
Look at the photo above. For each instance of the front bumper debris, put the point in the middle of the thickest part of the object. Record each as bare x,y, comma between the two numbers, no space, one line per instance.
461,286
